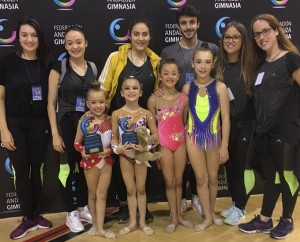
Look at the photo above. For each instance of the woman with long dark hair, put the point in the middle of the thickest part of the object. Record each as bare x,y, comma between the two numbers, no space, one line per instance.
24,122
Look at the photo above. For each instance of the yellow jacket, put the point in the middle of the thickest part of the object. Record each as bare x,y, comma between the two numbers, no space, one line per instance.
115,64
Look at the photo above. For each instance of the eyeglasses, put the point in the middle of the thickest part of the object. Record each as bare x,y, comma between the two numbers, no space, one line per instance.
264,32
234,38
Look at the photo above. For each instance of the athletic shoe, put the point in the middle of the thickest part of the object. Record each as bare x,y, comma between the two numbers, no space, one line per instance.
73,222
227,211
85,215
283,229
196,204
42,222
235,217
26,226
123,214
149,217
256,226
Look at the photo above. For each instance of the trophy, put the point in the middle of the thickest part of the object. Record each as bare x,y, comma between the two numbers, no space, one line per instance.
129,135
92,141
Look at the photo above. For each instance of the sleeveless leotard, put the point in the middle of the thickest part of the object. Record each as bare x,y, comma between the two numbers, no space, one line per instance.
203,122
170,125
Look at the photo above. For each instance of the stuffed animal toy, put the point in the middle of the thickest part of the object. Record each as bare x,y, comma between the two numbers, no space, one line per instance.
145,140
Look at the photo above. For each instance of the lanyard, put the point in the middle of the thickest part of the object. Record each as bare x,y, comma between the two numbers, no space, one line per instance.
38,73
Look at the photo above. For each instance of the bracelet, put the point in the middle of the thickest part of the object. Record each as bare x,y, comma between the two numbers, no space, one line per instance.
114,148
78,146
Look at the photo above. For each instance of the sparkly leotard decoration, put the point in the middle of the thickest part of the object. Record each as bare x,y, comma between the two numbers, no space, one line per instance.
170,125
204,125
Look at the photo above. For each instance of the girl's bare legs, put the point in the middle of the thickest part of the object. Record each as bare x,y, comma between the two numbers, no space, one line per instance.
140,171
213,168
92,177
199,164
179,166
168,170
102,187
127,169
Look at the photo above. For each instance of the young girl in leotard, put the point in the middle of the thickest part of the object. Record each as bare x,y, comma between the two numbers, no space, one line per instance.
171,112
98,166
208,102
124,121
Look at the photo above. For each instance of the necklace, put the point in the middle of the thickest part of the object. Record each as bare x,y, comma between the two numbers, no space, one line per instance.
138,59
269,59
199,84
75,66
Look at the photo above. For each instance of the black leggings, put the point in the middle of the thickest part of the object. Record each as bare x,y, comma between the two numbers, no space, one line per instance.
241,139
31,137
276,157
76,187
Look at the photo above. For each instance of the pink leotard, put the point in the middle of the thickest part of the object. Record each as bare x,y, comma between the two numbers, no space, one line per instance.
170,126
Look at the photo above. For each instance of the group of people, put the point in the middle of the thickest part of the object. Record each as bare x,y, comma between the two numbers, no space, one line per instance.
208,106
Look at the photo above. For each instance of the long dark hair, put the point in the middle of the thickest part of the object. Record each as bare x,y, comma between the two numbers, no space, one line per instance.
43,51
244,56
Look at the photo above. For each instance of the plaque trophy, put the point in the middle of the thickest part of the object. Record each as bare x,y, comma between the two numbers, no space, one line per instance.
92,141
129,135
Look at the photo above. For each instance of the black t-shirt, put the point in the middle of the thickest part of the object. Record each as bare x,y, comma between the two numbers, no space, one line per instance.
241,105
276,99
144,74
19,76
72,86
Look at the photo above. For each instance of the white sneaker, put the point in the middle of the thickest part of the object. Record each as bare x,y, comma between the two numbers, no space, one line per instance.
85,215
227,211
74,223
196,205
235,217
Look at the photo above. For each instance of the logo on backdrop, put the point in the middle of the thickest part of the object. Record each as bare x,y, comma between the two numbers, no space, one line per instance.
64,5
121,4
9,4
228,3
287,27
176,4
172,33
279,3
62,56
8,167
220,25
59,32
4,40
115,27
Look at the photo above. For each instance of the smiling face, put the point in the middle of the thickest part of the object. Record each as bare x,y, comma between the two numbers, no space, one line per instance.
232,41
203,63
28,38
75,44
169,75
131,90
96,102
188,27
140,37
265,36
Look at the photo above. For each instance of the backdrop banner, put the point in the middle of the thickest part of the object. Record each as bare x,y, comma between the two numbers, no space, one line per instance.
106,25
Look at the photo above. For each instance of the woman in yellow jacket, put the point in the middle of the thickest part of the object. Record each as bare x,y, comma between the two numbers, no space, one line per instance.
132,59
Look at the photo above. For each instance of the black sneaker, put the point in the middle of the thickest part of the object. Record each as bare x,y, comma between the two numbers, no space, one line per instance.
123,214
283,229
149,217
256,226
26,226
